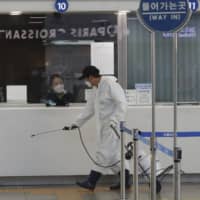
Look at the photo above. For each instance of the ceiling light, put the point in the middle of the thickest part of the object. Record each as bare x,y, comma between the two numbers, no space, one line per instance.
67,42
123,12
16,12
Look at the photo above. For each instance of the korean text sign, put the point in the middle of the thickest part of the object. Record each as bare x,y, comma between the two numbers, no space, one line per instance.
164,15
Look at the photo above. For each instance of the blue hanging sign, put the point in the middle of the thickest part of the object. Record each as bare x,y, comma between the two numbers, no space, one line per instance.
164,15
194,5
61,6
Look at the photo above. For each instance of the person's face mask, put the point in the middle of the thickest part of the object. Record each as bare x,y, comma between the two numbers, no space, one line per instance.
88,84
60,88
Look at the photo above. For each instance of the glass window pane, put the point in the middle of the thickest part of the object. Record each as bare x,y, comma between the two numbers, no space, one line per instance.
188,60
33,47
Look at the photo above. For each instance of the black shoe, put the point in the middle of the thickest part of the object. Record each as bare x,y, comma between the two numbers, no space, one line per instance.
115,186
128,182
86,184
90,183
158,186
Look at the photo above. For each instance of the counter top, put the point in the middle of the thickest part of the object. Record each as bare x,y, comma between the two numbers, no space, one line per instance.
38,106
81,105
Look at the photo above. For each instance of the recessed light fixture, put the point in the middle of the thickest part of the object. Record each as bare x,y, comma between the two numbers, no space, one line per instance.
99,20
31,22
68,42
37,17
16,12
123,12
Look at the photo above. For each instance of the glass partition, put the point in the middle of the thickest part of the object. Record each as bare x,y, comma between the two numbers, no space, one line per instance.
34,47
188,60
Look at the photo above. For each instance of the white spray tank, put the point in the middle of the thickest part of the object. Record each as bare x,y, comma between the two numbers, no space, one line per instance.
144,161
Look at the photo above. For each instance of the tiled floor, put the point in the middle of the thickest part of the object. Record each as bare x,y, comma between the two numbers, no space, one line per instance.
189,192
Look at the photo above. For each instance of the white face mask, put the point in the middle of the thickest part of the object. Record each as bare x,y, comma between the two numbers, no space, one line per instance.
88,84
60,88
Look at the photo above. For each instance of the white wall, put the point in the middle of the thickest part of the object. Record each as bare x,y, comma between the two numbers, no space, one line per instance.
62,154
79,5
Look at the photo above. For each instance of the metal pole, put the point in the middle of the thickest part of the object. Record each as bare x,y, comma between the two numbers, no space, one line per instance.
153,136
122,78
136,184
177,176
177,173
122,38
122,71
122,174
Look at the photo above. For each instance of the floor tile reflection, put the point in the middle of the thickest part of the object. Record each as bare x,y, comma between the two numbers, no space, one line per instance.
189,192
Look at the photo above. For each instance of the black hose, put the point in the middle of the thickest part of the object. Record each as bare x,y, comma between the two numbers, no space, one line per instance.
89,155
82,142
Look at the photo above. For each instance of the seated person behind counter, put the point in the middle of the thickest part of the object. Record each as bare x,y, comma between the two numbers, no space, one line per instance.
57,95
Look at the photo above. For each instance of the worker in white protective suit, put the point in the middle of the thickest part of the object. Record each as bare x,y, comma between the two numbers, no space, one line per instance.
108,103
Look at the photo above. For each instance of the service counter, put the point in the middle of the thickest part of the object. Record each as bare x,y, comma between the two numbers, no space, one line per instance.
62,153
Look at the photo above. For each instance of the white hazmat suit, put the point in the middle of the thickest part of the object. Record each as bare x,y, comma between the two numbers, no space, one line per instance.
108,103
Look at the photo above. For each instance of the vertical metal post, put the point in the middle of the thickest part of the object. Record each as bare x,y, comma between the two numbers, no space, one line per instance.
122,174
136,184
177,173
122,48
177,176
122,72
153,136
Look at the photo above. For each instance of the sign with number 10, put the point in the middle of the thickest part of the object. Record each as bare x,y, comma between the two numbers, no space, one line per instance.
61,6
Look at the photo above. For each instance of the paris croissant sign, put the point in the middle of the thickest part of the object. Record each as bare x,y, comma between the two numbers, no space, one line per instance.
164,15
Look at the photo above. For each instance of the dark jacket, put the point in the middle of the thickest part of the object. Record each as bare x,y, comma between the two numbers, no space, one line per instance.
54,99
